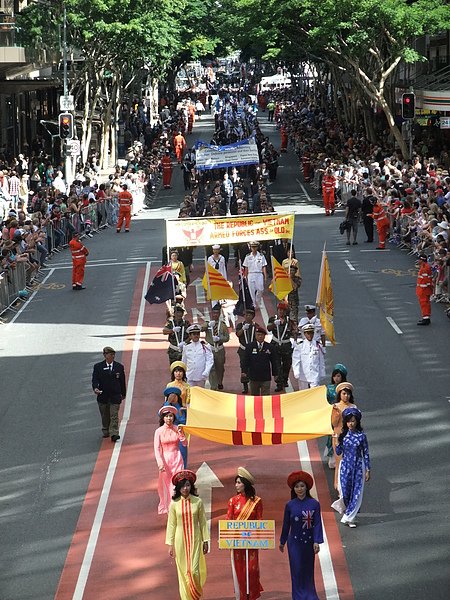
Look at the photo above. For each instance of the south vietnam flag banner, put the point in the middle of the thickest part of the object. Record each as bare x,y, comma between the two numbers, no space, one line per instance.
217,288
281,283
325,299
244,420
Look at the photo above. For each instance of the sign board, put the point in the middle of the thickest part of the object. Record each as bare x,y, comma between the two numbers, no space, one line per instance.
241,153
247,535
229,230
73,148
444,122
66,103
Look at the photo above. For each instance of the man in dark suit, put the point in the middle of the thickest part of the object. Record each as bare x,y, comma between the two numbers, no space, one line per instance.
108,383
260,364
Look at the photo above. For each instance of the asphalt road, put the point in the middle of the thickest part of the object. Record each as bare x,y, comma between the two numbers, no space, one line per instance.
49,422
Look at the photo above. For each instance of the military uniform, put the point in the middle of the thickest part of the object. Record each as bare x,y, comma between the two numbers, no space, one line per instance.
108,382
216,335
246,334
260,365
281,329
177,338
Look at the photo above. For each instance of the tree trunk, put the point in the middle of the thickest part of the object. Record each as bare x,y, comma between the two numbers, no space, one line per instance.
393,127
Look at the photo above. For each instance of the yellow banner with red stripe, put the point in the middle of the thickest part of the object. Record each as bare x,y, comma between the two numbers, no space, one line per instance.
243,420
216,286
281,283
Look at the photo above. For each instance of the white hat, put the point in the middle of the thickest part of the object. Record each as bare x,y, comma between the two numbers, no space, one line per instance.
216,247
194,327
443,225
310,307
308,327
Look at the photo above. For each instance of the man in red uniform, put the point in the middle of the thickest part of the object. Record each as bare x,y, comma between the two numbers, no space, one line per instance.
79,253
424,289
125,203
166,164
306,164
284,138
328,186
382,223
180,144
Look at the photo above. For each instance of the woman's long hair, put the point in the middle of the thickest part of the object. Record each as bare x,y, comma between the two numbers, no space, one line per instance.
249,490
180,369
345,421
179,485
161,418
294,495
350,393
335,372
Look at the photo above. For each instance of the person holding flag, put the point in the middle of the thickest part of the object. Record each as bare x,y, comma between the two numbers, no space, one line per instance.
177,330
216,336
281,327
308,359
255,271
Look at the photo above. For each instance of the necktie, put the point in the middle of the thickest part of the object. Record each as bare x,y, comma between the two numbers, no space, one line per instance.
260,347
110,367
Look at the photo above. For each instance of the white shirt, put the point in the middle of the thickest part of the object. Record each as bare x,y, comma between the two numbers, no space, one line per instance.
255,263
319,331
199,360
220,262
308,361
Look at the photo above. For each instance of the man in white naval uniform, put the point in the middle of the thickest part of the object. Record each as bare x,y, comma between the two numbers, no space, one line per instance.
311,317
308,359
255,270
198,358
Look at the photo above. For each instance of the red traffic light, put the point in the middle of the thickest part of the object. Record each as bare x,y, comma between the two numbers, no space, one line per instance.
408,105
66,126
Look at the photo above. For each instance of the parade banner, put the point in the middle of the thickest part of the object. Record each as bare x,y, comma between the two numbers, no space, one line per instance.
325,299
241,153
244,420
247,535
229,230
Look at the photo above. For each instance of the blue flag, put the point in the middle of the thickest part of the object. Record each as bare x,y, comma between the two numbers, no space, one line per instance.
161,288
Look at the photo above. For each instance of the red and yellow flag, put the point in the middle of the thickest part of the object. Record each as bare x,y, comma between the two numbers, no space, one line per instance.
217,288
325,299
244,420
281,283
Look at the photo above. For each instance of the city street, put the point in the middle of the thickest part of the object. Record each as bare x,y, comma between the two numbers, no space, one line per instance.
79,514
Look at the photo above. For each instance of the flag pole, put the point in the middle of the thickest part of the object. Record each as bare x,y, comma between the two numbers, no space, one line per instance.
169,262
320,274
241,279
208,283
274,279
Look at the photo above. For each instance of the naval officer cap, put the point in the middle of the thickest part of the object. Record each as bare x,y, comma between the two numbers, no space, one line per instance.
309,307
308,327
195,328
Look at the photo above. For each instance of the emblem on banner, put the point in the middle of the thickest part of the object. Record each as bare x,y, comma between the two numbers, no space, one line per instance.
193,234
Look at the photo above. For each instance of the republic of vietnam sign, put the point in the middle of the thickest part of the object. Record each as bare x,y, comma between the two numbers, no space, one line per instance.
241,153
229,230
243,535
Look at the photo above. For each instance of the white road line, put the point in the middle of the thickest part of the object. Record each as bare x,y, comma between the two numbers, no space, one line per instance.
394,325
337,251
103,264
349,265
304,189
16,316
140,258
326,564
375,250
96,526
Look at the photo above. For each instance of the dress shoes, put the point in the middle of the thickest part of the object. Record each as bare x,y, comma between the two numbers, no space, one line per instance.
114,438
424,322
220,386
80,287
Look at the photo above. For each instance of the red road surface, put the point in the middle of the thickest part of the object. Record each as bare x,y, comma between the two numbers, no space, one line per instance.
128,559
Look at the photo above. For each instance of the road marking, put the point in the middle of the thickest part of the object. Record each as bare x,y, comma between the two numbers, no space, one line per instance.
199,290
326,564
103,264
304,190
145,258
375,250
349,265
338,251
394,325
19,312
206,481
98,519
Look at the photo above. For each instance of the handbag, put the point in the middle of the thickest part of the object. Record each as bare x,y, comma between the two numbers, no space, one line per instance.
343,226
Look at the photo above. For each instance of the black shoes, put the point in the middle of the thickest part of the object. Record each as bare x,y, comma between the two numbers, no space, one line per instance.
105,434
279,388
424,322
219,386
114,438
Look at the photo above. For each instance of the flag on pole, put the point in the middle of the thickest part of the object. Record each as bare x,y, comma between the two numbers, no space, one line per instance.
162,286
245,300
281,283
216,286
325,299
244,420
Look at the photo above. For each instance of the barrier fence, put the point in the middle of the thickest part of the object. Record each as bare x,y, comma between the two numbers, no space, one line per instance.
13,287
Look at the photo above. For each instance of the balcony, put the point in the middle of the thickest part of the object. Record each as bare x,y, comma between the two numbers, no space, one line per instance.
11,55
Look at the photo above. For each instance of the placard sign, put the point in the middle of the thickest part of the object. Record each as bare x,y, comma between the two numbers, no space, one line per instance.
247,535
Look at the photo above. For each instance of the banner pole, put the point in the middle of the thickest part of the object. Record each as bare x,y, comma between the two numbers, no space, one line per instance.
274,279
169,262
247,578
208,283
241,278
320,275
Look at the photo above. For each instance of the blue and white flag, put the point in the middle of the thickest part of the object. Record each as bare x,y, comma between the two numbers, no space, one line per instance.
244,152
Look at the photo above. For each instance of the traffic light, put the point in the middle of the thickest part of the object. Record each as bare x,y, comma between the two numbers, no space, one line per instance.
408,105
66,126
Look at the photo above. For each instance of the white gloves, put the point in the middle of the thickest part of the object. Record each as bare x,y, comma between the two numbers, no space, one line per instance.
181,345
216,338
246,326
212,323
177,328
277,321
